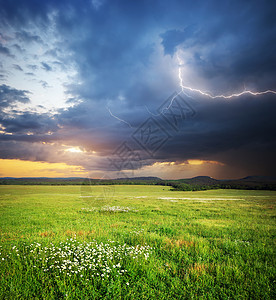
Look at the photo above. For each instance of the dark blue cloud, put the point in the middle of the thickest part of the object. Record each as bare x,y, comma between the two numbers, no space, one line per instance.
124,55
29,74
46,67
17,67
10,96
44,83
27,37
19,48
32,67
26,122
173,38
5,51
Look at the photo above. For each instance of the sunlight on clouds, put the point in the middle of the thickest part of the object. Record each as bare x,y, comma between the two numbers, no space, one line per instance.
195,162
74,150
187,169
200,162
22,168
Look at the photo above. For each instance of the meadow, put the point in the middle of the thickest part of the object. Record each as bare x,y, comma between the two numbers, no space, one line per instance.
136,242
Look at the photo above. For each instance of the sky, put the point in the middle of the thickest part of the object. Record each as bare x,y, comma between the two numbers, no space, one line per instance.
107,89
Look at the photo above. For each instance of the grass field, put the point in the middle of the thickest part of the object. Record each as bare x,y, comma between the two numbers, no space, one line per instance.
136,242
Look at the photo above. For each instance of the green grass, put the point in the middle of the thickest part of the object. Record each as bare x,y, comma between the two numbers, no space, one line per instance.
216,244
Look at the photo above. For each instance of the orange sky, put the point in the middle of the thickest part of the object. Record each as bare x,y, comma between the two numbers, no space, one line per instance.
21,168
164,170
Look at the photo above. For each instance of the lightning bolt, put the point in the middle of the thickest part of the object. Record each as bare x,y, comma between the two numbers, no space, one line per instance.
121,120
217,96
187,88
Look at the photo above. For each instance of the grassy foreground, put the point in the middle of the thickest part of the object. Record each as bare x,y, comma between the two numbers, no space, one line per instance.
136,242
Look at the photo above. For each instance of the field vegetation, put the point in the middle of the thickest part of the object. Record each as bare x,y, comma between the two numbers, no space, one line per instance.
136,242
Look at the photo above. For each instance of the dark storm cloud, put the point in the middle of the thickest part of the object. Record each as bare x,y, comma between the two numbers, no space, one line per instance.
38,151
116,54
5,51
32,67
172,38
9,96
236,44
26,122
29,74
124,52
18,48
44,83
27,37
17,67
223,129
9,150
54,52
46,67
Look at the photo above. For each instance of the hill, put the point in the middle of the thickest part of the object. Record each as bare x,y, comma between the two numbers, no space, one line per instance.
187,184
201,180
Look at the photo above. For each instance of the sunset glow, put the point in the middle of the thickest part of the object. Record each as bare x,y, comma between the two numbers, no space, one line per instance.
74,150
21,168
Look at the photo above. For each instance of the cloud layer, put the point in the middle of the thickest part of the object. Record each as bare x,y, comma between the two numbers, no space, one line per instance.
92,74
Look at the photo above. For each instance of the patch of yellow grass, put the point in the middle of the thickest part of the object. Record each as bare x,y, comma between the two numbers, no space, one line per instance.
47,233
199,269
171,243
73,233
118,224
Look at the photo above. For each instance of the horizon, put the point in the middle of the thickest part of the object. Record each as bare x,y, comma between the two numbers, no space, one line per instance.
145,177
173,89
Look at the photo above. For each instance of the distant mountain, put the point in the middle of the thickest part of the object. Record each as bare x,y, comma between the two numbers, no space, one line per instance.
77,180
249,182
195,183
200,180
36,178
259,178
149,178
40,180
82,178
